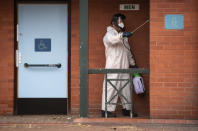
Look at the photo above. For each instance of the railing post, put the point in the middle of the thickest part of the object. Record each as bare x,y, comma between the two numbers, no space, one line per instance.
106,95
131,95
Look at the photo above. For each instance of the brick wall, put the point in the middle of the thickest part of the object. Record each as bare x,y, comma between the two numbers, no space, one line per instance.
173,61
100,14
6,57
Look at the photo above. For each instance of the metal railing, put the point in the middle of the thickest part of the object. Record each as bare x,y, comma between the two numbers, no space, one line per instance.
130,71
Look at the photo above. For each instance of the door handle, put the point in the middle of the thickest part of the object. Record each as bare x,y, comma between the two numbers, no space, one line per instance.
26,65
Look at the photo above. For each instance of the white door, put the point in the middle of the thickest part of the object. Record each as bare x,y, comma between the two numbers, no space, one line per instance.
42,47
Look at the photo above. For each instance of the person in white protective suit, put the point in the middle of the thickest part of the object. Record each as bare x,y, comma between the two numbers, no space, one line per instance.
118,56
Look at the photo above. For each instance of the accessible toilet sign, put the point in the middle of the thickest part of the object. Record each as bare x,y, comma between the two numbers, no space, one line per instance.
43,45
174,21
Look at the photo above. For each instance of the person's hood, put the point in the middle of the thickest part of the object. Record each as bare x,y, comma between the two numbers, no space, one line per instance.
110,28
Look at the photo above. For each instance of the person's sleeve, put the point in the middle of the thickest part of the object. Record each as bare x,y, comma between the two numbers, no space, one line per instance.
112,38
130,56
131,60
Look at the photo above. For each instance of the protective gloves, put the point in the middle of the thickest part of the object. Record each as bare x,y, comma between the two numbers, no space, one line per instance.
134,66
127,34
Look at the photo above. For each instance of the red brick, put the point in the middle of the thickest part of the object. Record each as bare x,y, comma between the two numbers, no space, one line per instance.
6,56
181,49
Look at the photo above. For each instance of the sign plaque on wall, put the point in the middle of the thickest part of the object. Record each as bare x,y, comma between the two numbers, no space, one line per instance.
129,7
174,21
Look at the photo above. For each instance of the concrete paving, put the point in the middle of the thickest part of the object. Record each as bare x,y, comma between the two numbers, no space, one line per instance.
70,123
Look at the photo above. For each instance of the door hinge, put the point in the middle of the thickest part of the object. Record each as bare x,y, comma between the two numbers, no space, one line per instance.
17,33
17,56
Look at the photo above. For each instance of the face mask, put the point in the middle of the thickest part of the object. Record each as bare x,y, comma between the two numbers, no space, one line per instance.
121,25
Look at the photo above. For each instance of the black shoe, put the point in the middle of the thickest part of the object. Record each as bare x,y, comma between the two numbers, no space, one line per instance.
109,114
126,112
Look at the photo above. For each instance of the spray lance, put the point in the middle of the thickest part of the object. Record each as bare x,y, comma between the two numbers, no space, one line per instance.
127,34
140,26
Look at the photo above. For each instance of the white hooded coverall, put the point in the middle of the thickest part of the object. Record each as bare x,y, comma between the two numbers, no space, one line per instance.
117,57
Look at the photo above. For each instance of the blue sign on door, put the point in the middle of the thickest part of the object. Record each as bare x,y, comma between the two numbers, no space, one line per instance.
174,22
42,45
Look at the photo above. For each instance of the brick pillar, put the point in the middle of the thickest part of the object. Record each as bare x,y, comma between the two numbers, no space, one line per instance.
75,79
6,57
